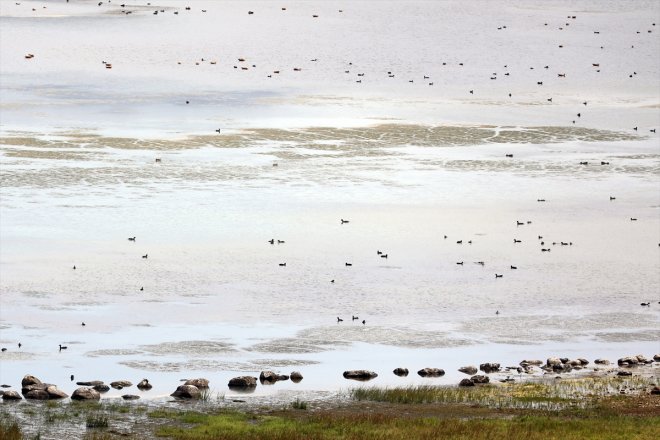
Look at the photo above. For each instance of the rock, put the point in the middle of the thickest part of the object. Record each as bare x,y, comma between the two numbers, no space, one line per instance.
101,388
656,357
36,395
401,371
34,387
296,376
130,397
119,384
199,383
470,370
144,385
11,395
480,379
431,372
600,361
642,359
360,374
655,391
30,380
466,383
489,367
187,392
551,362
527,362
624,373
243,382
563,360
270,377
628,361
583,361
85,393
91,383
55,393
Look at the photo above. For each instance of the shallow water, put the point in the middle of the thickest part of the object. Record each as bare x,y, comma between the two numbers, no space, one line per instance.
406,163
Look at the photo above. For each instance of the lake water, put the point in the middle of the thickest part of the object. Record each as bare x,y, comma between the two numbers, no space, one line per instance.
90,156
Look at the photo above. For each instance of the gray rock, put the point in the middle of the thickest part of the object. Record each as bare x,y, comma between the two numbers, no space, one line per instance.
656,357
33,387
528,362
130,397
470,370
583,361
624,373
199,383
431,372
489,367
466,383
119,384
30,380
11,395
90,383
85,393
187,392
480,379
401,372
144,385
360,374
101,388
55,393
552,362
269,377
296,376
642,359
628,361
36,395
600,361
243,382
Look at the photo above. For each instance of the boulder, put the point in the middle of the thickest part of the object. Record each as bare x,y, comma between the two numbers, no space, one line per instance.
11,395
624,373
583,361
144,385
489,367
199,383
130,397
90,383
34,387
243,382
470,370
296,376
187,392
84,393
55,393
553,361
101,388
119,384
360,374
655,391
466,383
39,394
527,362
563,360
628,361
642,359
656,357
431,372
270,377
30,380
600,361
401,372
480,378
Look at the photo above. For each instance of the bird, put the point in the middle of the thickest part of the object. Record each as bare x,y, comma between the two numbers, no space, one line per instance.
282,264
460,263
82,324
383,256
20,345
379,253
344,221
142,289
280,241
364,322
4,349
354,317
349,264
332,281
514,267
271,241
145,256
131,238
612,198
517,241
63,347
633,219
498,276
217,130
74,267
497,312
72,378
339,319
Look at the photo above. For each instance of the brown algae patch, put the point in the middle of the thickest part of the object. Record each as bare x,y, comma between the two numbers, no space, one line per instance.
192,348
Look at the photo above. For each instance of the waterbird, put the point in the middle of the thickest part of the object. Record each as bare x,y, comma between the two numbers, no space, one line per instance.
540,200
517,241
604,163
20,345
364,322
4,349
460,262
509,155
348,264
63,347
379,253
145,256
480,263
612,198
354,318
646,304
383,256
332,281
217,130
74,267
519,223
282,264
82,324
339,319
280,241
72,378
271,241
344,221
498,275
131,238
459,242
142,289
497,312
633,219
514,267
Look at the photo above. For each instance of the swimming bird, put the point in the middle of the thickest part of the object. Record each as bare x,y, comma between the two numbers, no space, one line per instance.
514,267
217,130
83,324
332,281
364,322
339,319
509,155
271,241
348,264
519,223
282,264
63,347
20,345
383,256
355,318
517,241
145,256
344,221
459,242
379,253
4,349
142,289
460,263
72,378
280,241
633,219
612,198
74,267
498,276
131,238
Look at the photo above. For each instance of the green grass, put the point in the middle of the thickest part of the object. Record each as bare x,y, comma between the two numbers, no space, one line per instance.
9,430
299,404
96,420
327,426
